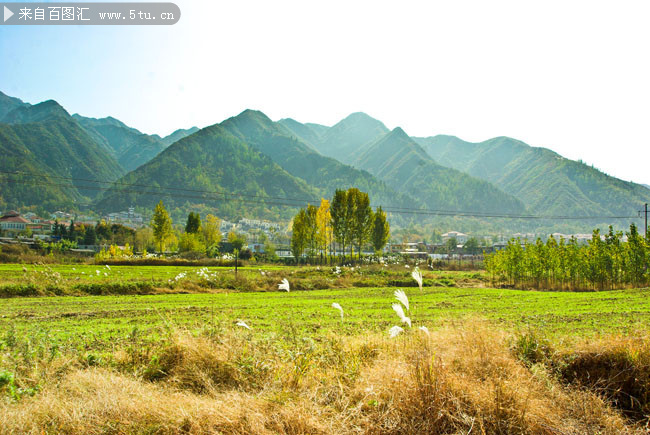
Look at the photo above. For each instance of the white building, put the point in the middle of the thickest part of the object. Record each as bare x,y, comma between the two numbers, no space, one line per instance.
461,238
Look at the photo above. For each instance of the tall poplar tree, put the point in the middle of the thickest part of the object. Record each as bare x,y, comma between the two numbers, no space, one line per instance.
299,234
324,226
161,224
340,223
362,221
380,230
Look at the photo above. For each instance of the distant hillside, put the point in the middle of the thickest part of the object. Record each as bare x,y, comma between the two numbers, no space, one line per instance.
300,160
211,159
129,146
343,140
177,135
310,135
545,181
407,168
7,104
45,139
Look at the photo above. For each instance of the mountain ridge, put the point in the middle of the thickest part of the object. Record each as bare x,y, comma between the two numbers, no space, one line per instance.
211,159
545,181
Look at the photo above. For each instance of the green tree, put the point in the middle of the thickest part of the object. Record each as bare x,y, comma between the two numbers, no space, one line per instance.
237,241
472,246
380,230
340,218
90,237
451,245
212,230
191,242
193,224
636,256
362,220
143,239
299,234
161,224
311,230
71,234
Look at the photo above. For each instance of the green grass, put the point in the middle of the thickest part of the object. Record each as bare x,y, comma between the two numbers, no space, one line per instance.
14,272
78,280
100,321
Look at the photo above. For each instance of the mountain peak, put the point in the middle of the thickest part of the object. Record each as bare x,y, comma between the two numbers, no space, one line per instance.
44,111
399,133
254,114
7,104
361,118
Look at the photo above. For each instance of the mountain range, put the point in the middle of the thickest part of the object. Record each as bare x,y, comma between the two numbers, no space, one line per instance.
545,181
250,165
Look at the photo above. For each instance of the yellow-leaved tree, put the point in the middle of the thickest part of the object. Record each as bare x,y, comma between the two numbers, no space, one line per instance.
324,235
161,224
211,230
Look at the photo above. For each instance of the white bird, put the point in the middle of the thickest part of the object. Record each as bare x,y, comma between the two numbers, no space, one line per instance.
401,296
243,324
338,307
424,329
108,267
284,285
417,276
400,313
395,331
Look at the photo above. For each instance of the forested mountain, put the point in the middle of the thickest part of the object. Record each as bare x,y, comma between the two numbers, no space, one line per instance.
545,181
249,156
343,140
176,135
7,104
213,160
300,160
129,146
396,159
309,134
44,139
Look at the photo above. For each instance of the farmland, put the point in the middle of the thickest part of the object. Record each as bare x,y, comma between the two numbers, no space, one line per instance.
176,341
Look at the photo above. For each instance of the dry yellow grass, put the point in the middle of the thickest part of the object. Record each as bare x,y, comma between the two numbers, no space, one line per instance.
463,379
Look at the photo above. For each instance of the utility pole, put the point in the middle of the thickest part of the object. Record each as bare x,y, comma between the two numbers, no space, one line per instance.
645,212
646,221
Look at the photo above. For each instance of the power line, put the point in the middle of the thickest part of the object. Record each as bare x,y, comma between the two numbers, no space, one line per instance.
149,186
278,201
98,188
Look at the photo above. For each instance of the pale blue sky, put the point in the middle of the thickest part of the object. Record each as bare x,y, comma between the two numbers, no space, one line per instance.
570,76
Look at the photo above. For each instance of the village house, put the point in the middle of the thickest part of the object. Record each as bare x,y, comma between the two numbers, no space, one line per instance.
461,238
12,223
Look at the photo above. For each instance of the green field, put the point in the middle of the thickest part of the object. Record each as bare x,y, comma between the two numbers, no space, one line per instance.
199,304
109,318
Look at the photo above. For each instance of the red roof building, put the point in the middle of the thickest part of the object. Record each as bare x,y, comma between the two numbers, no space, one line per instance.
13,223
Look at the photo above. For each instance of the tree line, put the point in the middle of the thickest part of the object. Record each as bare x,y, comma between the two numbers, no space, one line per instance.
605,262
347,222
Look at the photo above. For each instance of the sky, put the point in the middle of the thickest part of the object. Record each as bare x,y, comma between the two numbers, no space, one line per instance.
570,76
